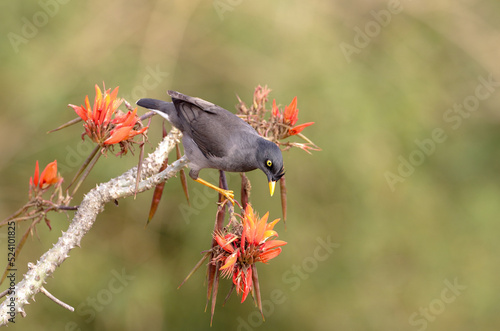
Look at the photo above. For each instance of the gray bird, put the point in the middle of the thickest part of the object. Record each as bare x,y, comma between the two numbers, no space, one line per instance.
216,138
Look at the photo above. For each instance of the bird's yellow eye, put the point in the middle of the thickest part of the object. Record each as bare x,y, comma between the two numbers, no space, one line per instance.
269,163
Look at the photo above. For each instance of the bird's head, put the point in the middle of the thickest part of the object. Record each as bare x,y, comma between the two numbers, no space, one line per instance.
270,161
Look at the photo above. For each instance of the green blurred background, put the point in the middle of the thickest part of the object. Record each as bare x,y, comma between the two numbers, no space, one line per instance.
415,252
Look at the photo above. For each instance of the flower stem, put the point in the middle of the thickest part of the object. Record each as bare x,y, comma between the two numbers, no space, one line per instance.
283,198
87,171
82,168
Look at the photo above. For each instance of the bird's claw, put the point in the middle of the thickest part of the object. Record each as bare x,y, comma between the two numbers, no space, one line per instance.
229,195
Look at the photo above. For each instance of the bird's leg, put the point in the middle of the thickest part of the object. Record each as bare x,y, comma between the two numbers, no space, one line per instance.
227,193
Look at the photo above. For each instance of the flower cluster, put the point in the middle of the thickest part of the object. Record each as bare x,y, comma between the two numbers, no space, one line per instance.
39,205
105,124
279,125
238,250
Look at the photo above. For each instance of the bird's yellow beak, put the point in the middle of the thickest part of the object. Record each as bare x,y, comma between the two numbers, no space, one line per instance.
272,185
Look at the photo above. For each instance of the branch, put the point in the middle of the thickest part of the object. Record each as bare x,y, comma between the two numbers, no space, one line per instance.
91,205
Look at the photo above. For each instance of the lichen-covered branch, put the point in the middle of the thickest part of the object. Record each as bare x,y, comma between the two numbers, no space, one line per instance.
91,205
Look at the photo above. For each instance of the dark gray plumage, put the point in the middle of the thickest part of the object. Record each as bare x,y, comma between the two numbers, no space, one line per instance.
216,138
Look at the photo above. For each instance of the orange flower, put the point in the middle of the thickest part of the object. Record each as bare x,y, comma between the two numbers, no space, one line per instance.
289,118
47,178
241,251
276,110
100,125
291,113
297,129
124,129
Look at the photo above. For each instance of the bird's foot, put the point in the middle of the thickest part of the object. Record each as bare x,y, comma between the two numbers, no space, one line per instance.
228,194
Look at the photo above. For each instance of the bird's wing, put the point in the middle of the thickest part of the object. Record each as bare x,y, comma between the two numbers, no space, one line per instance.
212,128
